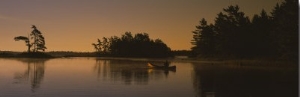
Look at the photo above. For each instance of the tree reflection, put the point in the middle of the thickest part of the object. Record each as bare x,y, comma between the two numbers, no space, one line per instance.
219,80
102,68
34,72
128,72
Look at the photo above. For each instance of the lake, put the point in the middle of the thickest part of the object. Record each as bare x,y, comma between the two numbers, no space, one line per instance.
129,77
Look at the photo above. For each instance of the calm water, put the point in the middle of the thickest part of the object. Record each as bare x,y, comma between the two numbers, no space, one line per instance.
94,77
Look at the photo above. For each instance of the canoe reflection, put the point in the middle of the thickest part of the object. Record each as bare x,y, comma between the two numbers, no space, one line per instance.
128,72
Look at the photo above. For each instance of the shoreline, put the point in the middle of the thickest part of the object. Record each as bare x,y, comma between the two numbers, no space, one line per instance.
238,61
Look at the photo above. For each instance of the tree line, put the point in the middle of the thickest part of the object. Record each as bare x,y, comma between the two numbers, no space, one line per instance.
128,45
234,35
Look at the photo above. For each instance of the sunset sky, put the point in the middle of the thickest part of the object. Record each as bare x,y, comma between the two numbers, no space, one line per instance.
73,25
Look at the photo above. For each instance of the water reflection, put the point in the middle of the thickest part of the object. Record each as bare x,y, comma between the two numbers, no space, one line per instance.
34,72
217,80
129,72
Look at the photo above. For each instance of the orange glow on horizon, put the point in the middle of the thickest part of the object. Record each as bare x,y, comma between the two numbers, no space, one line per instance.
73,26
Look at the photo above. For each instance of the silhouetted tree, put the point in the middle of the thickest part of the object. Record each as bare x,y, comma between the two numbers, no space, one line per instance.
234,35
27,41
204,39
98,46
231,32
138,45
285,30
102,47
114,45
38,40
261,27
229,35
105,44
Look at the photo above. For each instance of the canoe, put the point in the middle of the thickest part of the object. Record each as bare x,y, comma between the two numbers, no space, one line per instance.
161,67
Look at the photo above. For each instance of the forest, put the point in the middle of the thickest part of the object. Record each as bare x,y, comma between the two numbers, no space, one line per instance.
234,35
128,45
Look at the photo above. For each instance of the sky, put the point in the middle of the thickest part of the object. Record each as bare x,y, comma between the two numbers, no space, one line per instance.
73,25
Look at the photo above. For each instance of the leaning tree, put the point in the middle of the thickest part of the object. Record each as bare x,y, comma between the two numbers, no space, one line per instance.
27,41
37,38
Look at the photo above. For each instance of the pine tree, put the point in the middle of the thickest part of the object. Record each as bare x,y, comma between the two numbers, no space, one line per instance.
38,40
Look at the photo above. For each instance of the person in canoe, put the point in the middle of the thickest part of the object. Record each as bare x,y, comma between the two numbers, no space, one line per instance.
167,63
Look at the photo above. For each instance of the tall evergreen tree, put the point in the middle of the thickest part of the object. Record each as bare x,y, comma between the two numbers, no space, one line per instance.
285,18
204,39
261,27
38,40
232,32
